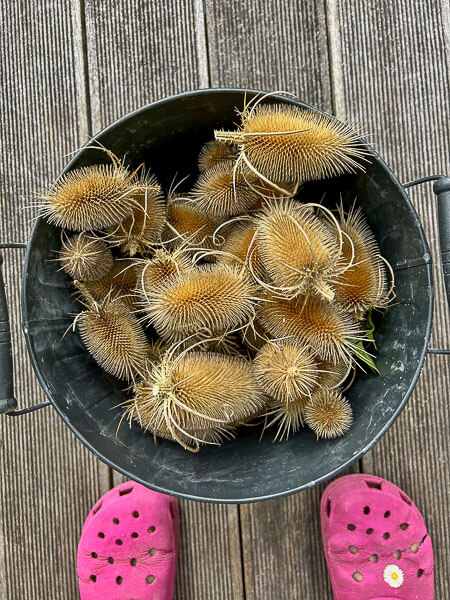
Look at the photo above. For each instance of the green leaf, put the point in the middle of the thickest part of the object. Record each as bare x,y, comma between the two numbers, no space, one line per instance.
364,356
371,329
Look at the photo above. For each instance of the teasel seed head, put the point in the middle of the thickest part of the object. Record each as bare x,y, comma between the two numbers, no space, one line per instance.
215,152
214,299
90,198
286,370
120,282
222,191
328,414
288,416
331,375
289,143
138,233
85,258
327,328
364,285
195,397
114,337
186,224
300,254
241,248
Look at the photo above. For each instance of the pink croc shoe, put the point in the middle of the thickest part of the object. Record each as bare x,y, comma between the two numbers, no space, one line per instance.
128,547
375,541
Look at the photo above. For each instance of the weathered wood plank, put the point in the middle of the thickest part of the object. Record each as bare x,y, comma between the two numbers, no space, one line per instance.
135,56
391,75
48,479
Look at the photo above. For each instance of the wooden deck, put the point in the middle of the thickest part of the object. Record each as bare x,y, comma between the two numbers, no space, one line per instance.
70,67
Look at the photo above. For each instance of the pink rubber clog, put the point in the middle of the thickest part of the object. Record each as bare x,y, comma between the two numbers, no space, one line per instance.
375,541
128,547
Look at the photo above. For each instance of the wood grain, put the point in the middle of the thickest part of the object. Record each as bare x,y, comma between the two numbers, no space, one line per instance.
390,74
48,479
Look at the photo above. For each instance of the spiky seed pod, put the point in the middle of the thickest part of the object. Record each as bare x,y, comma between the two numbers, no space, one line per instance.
114,337
288,143
254,336
288,416
139,232
285,371
119,282
195,396
90,198
221,193
187,224
332,375
214,299
241,248
84,258
363,286
328,414
298,251
215,152
329,330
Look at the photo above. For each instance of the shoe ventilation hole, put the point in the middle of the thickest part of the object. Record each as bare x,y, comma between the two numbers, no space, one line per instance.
351,527
135,514
328,508
93,578
97,508
153,551
101,535
420,572
366,510
110,560
152,529
404,526
374,558
134,535
133,562
375,485
398,554
386,535
405,499
94,555
387,514
116,521
414,547
369,531
353,549
357,576
119,580
150,578
119,542
125,491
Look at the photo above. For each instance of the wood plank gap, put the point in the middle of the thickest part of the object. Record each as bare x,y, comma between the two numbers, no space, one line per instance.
201,39
241,550
335,58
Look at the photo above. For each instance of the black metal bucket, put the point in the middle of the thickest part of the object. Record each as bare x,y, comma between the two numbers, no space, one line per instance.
167,136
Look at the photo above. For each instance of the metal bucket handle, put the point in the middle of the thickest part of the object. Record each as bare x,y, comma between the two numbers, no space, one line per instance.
8,402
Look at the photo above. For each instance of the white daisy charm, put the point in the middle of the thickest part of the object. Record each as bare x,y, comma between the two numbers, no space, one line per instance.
393,576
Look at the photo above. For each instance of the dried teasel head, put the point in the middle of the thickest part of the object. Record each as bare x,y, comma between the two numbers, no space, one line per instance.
138,233
85,258
215,152
364,285
287,416
195,397
241,248
186,224
90,198
328,414
298,251
214,299
331,375
222,191
293,144
120,282
114,337
286,370
327,328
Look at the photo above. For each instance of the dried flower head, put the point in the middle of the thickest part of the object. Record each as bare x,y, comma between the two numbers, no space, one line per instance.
138,233
328,414
287,415
195,397
331,375
187,224
114,337
289,143
119,282
215,152
329,330
241,248
364,285
286,370
221,191
298,251
85,258
90,198
214,299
